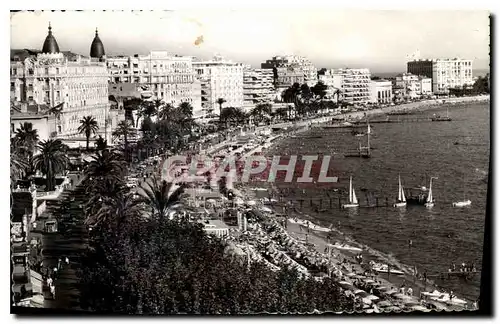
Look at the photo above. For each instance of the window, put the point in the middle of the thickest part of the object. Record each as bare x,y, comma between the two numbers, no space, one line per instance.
12,86
46,70
30,71
12,129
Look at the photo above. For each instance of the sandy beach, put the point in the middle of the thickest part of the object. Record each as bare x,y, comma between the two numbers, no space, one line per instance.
343,249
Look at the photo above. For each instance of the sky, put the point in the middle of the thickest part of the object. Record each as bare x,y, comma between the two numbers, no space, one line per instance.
379,40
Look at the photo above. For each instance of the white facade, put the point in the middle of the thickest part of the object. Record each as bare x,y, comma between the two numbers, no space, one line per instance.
333,83
158,75
354,85
445,73
220,79
451,73
301,65
257,87
51,79
216,227
413,86
381,91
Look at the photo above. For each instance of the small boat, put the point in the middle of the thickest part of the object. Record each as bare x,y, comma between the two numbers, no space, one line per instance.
385,269
430,199
463,203
346,247
401,196
439,118
353,201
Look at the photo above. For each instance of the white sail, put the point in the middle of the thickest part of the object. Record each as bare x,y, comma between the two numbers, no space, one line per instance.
400,198
369,129
354,199
350,190
429,197
403,198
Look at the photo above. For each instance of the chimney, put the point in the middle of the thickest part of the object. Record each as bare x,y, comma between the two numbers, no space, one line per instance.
24,107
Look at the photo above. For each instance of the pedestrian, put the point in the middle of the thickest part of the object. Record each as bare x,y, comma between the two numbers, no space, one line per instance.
55,272
410,291
53,291
66,260
49,282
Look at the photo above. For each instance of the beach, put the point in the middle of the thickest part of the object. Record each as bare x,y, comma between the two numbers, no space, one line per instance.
292,232
334,238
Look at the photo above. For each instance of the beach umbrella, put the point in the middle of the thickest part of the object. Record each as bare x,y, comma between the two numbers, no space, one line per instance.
397,295
346,285
351,274
360,292
392,309
384,303
411,303
420,308
369,281
266,209
372,297
366,301
390,292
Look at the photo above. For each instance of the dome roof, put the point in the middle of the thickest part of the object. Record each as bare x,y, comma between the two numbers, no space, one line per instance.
50,44
97,49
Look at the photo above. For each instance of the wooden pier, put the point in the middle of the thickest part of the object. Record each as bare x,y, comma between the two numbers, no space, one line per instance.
388,121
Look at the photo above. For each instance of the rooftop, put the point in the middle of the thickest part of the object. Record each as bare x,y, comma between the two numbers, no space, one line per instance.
214,223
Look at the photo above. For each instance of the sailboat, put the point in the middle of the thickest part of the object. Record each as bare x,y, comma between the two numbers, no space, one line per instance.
353,201
439,118
430,199
363,152
464,202
401,196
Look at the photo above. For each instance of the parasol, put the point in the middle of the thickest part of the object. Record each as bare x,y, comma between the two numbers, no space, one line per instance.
384,303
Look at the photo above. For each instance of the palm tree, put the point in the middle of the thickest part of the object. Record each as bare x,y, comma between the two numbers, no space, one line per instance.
51,160
261,110
165,111
88,126
147,110
100,143
25,140
113,210
124,130
186,109
161,196
220,101
18,164
105,168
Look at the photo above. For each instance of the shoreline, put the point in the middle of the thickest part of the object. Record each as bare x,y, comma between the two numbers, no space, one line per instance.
350,266
319,234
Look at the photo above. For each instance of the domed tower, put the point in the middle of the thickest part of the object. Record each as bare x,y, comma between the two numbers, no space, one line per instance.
50,43
97,49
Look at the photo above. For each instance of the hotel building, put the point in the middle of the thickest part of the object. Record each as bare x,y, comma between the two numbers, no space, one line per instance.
77,86
257,87
413,86
354,85
290,69
220,78
158,75
445,73
381,91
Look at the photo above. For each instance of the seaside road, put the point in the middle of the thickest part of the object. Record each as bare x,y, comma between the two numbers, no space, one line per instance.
71,242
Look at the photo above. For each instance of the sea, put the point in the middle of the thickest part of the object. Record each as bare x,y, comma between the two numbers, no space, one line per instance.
456,153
